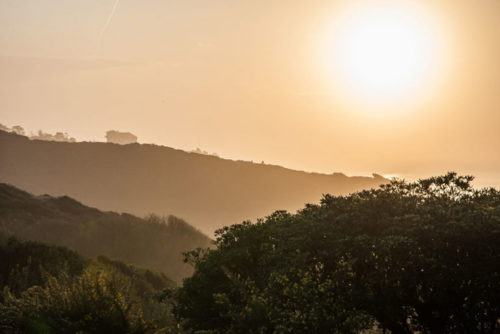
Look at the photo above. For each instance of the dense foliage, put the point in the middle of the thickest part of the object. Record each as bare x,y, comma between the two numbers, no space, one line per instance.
153,242
49,289
407,257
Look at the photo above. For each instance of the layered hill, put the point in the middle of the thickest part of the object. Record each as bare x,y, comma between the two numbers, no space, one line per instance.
153,243
207,191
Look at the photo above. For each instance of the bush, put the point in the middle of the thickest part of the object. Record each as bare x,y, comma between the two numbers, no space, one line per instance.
91,303
50,289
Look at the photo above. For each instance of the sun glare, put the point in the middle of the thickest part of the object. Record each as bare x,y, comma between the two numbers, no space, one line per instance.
383,52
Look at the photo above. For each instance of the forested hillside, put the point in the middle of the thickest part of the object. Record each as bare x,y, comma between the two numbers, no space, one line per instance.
51,289
154,242
207,191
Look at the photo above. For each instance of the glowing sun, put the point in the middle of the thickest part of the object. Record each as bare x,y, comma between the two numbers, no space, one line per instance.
383,51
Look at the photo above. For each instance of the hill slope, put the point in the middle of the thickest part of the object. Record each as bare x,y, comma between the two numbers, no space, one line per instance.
207,191
153,243
51,289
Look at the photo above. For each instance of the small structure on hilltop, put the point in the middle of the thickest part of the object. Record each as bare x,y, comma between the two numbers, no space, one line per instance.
122,138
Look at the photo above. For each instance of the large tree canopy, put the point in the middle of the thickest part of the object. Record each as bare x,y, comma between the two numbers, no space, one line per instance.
421,256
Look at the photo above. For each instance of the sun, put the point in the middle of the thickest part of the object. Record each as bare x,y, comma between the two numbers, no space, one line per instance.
383,51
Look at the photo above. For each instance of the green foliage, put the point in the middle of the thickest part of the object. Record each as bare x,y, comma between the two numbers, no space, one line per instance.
90,303
24,264
51,289
421,256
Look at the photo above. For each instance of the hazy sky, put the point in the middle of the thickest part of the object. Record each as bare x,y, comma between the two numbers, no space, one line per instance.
251,80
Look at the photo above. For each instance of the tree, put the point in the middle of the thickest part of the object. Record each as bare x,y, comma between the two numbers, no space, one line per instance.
422,256
122,138
18,130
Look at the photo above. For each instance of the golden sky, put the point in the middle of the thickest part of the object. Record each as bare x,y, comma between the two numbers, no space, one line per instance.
252,80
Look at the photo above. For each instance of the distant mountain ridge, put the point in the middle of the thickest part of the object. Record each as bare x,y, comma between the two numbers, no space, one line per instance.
154,243
207,191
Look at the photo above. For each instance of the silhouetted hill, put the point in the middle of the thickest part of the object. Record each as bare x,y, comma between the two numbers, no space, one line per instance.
154,243
207,191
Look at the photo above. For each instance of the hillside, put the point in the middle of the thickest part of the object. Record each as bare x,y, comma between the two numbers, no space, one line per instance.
51,289
36,260
207,191
153,243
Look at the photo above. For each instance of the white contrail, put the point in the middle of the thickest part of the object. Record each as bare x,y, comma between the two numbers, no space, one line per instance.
110,17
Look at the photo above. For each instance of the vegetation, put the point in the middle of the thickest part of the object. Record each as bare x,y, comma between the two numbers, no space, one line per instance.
58,136
49,289
155,242
122,138
207,191
406,257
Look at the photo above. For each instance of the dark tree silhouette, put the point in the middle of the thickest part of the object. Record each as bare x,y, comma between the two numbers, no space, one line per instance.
421,256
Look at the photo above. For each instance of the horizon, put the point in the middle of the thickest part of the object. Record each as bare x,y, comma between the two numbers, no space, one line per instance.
478,182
